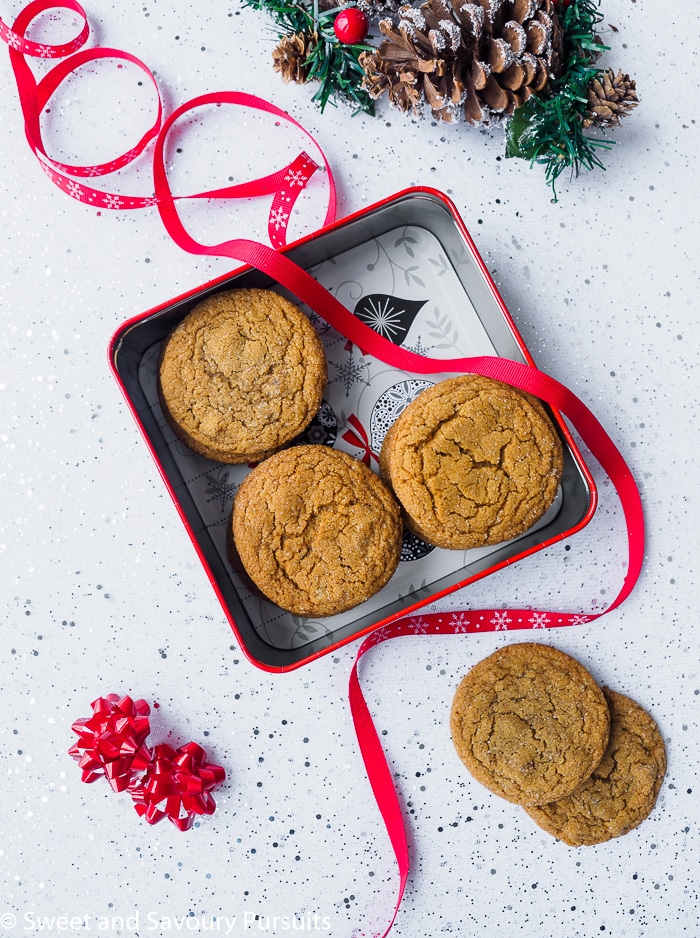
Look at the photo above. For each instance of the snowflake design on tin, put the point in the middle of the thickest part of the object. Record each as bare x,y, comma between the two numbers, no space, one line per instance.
419,349
74,189
295,177
501,620
539,620
460,621
112,201
278,218
318,322
220,489
350,373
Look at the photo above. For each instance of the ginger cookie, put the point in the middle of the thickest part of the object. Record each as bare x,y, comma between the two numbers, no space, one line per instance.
622,790
528,721
316,530
473,462
241,375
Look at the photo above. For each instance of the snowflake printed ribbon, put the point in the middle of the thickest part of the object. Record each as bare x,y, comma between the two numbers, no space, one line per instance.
285,185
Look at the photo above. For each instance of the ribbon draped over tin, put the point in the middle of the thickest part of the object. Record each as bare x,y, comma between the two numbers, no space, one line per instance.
168,777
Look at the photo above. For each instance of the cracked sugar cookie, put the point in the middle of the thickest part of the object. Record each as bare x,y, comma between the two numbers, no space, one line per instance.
473,462
316,530
622,790
530,723
241,375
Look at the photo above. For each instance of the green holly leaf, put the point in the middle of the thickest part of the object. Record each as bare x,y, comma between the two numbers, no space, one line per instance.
517,142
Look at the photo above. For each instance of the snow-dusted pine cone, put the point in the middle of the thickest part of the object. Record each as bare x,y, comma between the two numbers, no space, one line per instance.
475,60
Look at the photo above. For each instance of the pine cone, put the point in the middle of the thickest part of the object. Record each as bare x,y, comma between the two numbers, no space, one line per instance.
289,57
477,59
421,59
610,98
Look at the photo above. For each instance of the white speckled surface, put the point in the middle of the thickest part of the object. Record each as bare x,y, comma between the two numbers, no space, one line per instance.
101,590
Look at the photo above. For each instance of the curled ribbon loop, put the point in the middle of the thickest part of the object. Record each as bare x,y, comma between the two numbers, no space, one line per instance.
111,742
285,185
177,785
16,39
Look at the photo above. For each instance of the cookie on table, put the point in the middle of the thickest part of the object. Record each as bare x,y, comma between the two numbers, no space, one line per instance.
316,530
473,462
622,790
241,375
529,721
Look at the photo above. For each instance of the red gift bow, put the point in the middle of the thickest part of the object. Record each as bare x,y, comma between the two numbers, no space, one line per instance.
112,740
287,273
164,782
177,785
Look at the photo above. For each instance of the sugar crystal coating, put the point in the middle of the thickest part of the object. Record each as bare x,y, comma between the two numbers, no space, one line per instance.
530,723
241,375
316,530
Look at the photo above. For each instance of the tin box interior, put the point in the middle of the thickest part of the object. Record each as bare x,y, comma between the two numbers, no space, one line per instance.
405,267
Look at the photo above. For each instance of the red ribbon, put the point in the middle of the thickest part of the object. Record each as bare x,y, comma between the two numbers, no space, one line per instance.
285,185
177,785
34,96
112,740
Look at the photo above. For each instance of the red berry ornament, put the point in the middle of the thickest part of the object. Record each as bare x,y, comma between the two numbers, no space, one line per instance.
351,26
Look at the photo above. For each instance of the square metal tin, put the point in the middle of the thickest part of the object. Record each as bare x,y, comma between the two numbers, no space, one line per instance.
408,267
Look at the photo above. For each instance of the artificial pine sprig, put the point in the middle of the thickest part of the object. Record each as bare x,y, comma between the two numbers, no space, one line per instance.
548,129
335,65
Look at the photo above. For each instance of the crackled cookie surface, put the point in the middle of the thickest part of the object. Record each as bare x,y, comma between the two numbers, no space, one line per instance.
622,790
241,375
473,462
316,530
530,723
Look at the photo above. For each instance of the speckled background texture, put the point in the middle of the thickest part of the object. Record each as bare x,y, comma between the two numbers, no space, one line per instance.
101,590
